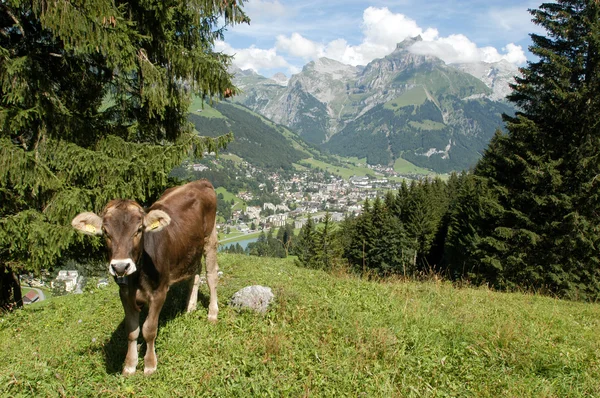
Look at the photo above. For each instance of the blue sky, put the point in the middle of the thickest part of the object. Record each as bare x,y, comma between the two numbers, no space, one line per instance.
284,35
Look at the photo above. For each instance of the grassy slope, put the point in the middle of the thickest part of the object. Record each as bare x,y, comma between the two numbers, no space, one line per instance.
327,336
345,172
203,108
227,196
405,167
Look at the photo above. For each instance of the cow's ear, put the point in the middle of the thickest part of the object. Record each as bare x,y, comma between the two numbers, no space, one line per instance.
156,220
88,223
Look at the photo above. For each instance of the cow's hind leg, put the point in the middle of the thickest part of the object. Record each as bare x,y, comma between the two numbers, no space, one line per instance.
132,328
212,269
150,329
193,300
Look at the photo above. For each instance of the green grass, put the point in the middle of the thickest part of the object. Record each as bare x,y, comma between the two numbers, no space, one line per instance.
403,166
326,336
237,237
231,156
414,96
427,125
344,172
47,292
198,108
227,196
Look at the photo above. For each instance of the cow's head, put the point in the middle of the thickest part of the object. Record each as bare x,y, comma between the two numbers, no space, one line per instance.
123,224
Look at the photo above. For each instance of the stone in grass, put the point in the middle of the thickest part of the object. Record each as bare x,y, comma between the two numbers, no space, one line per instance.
255,298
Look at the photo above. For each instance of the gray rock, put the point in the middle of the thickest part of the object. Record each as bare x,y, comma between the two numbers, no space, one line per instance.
256,298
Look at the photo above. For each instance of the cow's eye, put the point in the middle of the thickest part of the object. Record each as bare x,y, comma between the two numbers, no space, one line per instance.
139,231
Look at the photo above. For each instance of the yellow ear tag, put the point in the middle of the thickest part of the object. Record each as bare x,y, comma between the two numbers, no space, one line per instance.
155,224
90,228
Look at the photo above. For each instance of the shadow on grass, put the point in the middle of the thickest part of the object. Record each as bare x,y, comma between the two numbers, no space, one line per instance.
115,349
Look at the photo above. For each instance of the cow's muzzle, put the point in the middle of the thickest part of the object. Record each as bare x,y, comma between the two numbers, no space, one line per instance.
120,268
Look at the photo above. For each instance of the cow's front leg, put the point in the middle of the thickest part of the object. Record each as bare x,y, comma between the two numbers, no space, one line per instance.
193,300
212,270
150,329
132,328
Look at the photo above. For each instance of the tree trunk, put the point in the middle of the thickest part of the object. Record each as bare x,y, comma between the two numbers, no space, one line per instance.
10,289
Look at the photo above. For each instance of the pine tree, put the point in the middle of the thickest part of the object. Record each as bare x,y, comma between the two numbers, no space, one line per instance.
544,173
306,246
376,242
94,99
328,248
360,234
421,209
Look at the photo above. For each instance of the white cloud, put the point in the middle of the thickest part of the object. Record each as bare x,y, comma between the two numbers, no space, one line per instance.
254,58
459,49
382,30
298,46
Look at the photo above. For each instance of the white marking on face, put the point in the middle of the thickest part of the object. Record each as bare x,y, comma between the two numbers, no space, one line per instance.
132,268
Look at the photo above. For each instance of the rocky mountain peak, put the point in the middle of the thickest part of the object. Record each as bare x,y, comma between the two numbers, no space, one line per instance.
406,43
328,66
496,75
280,79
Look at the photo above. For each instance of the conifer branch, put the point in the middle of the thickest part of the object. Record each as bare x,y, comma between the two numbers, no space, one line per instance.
17,23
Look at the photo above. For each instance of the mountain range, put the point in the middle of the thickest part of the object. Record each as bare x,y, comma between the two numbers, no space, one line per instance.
403,106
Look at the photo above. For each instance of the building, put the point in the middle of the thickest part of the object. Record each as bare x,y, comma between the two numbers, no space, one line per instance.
31,297
70,278
199,167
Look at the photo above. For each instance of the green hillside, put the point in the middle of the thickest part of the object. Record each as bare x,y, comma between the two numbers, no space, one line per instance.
399,129
268,145
442,80
255,141
326,336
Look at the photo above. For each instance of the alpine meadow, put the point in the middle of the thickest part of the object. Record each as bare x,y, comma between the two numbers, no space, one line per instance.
482,281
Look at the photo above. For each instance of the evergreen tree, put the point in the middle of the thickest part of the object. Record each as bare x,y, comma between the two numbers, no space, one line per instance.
543,174
376,241
328,247
94,99
360,235
306,248
285,236
473,217
421,208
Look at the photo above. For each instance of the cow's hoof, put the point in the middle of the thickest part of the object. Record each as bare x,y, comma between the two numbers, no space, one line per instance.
128,370
149,371
212,318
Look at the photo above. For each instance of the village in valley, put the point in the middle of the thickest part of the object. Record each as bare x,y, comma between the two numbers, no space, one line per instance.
302,194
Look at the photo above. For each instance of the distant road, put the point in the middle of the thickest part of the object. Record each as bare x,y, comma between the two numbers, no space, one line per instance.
241,237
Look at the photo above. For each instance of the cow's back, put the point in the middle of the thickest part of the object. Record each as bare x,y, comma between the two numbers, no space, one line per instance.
178,247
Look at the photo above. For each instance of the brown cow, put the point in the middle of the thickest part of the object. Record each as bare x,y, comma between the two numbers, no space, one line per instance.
149,251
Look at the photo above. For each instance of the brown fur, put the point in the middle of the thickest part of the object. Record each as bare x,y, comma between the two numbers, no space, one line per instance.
162,257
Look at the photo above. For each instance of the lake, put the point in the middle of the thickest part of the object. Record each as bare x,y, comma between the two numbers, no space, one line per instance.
243,243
